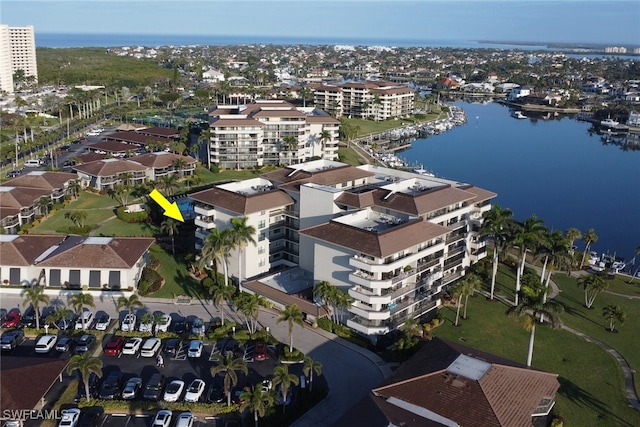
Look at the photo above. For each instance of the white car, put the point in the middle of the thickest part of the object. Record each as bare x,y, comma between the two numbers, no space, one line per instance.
102,322
194,391
173,391
162,418
150,347
195,348
163,323
145,327
69,417
132,345
132,388
46,343
128,323
185,419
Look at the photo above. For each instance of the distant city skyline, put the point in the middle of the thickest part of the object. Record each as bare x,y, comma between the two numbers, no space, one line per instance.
532,21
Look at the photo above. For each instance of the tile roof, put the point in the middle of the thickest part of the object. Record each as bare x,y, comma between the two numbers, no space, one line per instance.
20,197
323,119
281,297
381,244
239,121
322,177
110,167
480,193
24,249
161,159
137,138
113,146
159,131
241,203
424,202
91,157
44,180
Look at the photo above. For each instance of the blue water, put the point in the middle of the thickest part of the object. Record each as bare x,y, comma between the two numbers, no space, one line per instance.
552,168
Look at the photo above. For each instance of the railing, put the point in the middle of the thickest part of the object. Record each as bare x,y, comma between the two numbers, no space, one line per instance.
455,252
451,277
457,225
454,238
11,223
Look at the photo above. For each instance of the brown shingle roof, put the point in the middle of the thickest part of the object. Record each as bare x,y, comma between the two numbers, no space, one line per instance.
283,298
110,167
159,131
322,177
24,249
480,193
422,203
323,119
240,203
47,180
113,146
380,244
161,159
240,121
20,197
91,157
356,200
137,138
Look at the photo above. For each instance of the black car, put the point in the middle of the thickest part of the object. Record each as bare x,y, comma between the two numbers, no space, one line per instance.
91,417
69,321
111,386
180,326
153,389
3,314
85,343
65,344
11,339
171,346
14,173
29,318
216,391
94,383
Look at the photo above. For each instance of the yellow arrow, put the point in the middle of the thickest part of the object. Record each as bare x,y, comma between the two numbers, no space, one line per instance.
170,209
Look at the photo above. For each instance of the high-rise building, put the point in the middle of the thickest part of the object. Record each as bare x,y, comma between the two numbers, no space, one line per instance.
17,52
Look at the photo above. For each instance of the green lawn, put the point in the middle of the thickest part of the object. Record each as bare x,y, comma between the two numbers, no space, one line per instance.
174,271
116,227
621,285
58,224
348,155
88,200
368,127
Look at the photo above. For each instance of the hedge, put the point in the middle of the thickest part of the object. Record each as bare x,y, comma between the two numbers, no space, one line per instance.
131,217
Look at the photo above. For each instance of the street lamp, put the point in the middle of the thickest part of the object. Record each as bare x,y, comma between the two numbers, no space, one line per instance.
46,329
233,328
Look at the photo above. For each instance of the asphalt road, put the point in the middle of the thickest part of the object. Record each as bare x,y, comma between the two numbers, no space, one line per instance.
350,374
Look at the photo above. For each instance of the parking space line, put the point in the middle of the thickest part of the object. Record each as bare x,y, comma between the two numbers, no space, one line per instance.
214,350
180,353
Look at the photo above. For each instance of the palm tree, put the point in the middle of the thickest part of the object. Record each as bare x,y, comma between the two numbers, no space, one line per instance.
44,203
78,217
170,227
129,303
221,295
311,366
292,315
216,250
86,365
593,285
457,293
471,283
257,401
588,237
342,301
325,292
79,301
496,224
532,305
572,235
168,184
249,305
241,235
613,313
229,365
635,273
61,314
285,379
35,296
324,136
525,236
74,188
178,165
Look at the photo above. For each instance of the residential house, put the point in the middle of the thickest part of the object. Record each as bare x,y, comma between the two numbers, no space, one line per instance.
519,92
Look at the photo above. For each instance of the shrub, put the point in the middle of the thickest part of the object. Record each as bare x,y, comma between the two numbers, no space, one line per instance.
84,230
291,356
325,324
131,217
150,282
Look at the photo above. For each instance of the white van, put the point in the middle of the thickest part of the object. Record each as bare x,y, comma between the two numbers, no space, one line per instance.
87,315
34,163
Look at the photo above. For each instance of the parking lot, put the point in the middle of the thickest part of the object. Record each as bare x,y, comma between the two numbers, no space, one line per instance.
144,420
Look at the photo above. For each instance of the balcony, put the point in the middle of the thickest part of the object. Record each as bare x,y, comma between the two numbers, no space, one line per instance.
201,233
202,209
456,251
205,222
448,278
367,327
418,310
367,312
11,222
454,238
27,212
360,277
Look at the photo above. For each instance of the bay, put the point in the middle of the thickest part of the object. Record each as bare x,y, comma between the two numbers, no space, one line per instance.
555,169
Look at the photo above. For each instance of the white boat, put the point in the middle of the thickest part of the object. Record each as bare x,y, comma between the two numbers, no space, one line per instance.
518,115
609,123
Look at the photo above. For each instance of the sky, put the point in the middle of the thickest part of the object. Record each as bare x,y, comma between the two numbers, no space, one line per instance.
569,21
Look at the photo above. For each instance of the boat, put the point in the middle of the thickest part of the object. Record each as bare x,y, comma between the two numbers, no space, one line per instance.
609,123
518,115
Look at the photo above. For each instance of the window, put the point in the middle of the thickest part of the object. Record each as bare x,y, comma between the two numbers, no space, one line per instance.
261,236
261,262
261,250
262,212
262,223
54,277
94,278
277,231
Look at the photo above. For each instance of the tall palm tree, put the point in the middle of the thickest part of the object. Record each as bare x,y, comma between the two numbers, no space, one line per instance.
79,301
525,236
457,293
613,313
325,292
229,366
178,165
171,228
221,295
471,284
74,188
35,296
61,314
593,285
168,184
249,305
215,250
324,136
44,203
572,235
311,366
78,217
241,235
257,401
292,315
282,377
86,365
496,224
129,303
532,305
588,237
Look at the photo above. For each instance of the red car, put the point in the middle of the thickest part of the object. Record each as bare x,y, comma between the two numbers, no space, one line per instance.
261,351
12,320
114,346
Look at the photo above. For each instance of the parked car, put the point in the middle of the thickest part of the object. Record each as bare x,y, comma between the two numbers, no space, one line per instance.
46,343
13,319
197,328
132,388
172,346
195,390
114,346
11,339
164,321
132,345
173,391
150,347
68,322
216,391
153,388
84,320
14,173
102,322
146,326
94,385
85,343
180,326
260,352
195,348
28,319
65,344
185,419
91,417
69,417
128,323
3,315
162,418
111,386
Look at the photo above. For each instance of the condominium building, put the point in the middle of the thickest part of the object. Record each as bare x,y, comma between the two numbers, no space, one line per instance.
392,239
270,133
17,52
373,99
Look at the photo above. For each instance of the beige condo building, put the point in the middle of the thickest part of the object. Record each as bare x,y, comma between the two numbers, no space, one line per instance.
17,52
